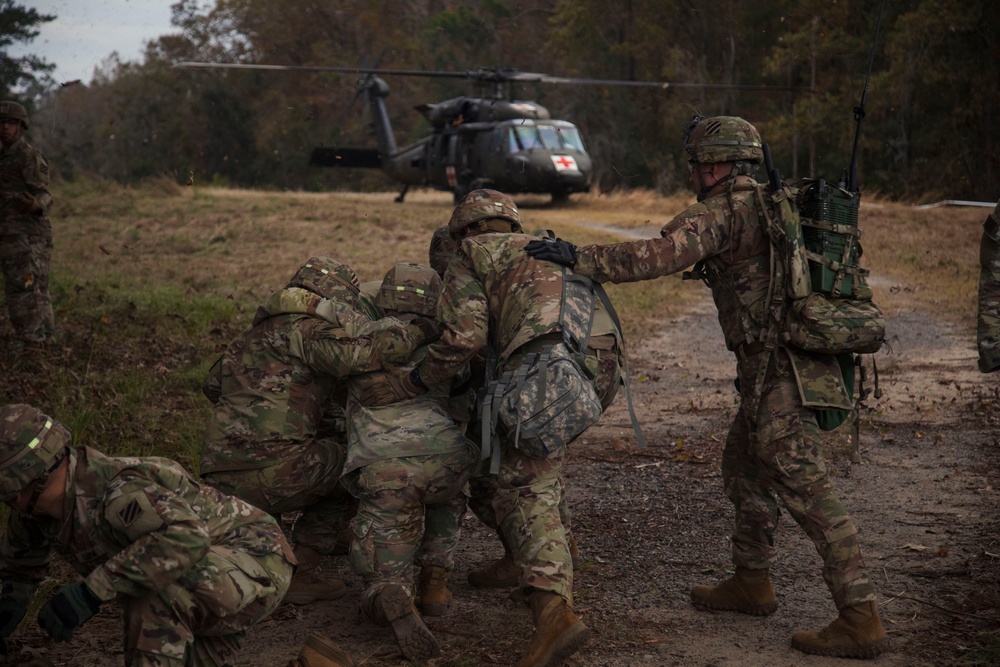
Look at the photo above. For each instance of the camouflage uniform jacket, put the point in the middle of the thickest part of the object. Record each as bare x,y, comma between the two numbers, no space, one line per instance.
988,330
24,190
727,232
492,288
133,527
418,426
275,380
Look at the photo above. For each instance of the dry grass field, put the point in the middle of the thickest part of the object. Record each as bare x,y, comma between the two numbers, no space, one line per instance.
151,282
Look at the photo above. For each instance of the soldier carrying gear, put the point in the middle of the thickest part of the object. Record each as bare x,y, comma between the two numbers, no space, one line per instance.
219,565
772,448
272,388
523,316
25,230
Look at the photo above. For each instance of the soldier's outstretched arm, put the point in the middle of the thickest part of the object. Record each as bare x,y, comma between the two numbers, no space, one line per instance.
334,351
697,233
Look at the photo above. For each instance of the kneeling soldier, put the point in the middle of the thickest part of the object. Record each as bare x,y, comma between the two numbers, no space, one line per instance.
195,568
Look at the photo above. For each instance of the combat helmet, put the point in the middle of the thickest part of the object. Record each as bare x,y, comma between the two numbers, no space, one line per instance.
31,443
410,288
328,278
15,110
479,207
722,139
442,249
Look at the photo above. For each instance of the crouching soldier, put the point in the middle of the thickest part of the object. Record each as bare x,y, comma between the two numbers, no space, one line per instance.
194,568
272,387
407,464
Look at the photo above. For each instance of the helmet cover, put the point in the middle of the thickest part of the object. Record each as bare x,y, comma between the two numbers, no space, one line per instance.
30,443
722,139
410,288
328,278
482,205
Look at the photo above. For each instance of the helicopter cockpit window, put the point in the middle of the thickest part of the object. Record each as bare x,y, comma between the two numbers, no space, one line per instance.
571,138
512,144
527,137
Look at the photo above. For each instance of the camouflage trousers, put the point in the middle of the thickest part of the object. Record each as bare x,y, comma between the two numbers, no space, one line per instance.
483,489
305,478
781,458
25,260
527,507
201,620
410,512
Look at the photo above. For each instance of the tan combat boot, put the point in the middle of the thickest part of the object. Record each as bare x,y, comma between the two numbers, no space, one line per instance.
856,633
432,591
307,586
747,591
413,638
321,652
559,633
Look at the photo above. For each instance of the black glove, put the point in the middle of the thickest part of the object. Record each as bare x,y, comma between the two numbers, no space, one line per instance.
72,606
428,327
552,250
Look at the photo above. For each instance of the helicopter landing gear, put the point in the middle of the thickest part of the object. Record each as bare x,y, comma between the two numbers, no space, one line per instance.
402,194
560,196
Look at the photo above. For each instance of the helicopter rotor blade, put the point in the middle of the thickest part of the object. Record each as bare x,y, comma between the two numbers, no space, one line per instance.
491,74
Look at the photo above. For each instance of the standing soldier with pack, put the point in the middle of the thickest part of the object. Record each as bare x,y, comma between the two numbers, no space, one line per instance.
271,389
25,230
988,331
532,321
194,568
772,448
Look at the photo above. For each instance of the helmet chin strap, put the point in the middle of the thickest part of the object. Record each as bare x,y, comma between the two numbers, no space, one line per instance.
705,190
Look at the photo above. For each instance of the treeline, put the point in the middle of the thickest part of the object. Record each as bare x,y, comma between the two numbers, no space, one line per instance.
930,131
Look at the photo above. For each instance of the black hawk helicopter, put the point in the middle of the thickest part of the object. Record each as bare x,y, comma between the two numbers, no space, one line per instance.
491,141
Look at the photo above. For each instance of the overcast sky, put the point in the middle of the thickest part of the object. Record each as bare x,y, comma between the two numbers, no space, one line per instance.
85,32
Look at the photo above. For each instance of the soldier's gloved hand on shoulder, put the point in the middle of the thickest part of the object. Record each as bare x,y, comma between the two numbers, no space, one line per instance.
72,606
11,613
552,250
429,327
392,386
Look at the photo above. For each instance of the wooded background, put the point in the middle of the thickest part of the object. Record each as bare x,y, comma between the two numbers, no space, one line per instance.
931,129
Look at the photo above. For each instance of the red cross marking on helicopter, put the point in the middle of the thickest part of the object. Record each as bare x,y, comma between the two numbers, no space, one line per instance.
563,162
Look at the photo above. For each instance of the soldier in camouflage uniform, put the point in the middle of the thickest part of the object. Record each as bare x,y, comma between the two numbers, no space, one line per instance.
194,568
495,299
407,464
25,230
272,388
605,347
772,448
988,333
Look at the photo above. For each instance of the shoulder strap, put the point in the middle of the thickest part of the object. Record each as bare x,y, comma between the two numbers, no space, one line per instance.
626,376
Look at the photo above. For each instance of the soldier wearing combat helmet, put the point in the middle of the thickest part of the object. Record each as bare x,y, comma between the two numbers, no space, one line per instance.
772,448
520,314
272,388
25,230
195,569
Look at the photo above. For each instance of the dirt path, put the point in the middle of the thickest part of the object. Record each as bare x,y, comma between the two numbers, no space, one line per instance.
652,523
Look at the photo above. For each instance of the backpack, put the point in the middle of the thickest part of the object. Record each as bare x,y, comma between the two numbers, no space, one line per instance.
548,399
829,308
